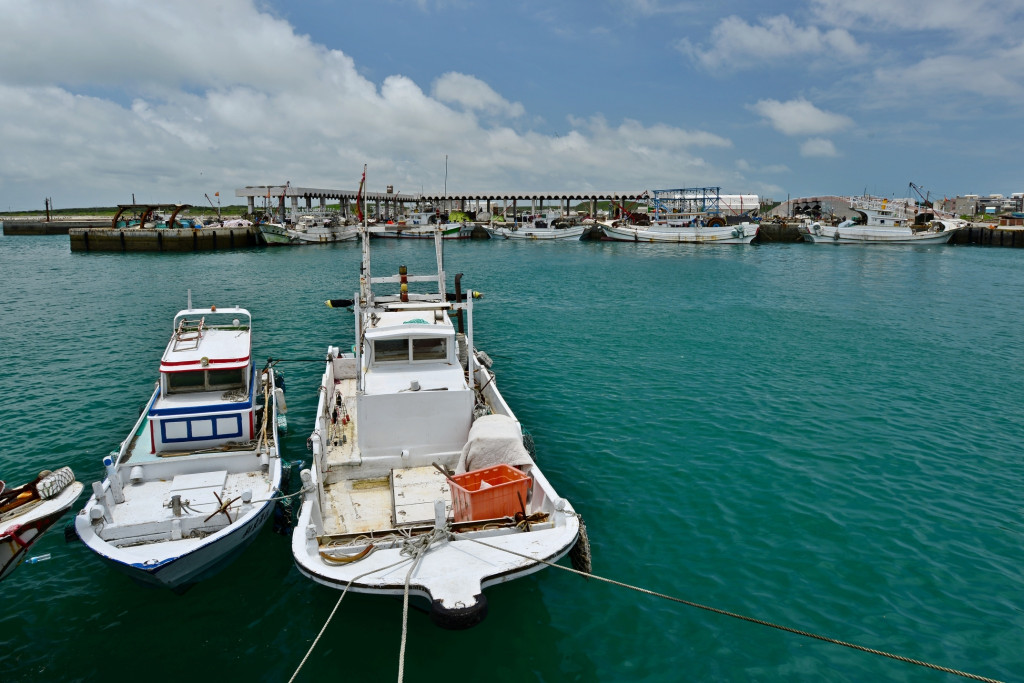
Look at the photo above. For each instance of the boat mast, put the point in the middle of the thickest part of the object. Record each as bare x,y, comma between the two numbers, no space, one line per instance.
439,251
365,289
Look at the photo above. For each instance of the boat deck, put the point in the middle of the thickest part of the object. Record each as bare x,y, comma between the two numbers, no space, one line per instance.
342,435
146,514
359,506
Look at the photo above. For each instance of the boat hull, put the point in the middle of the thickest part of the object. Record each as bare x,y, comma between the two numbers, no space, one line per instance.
817,234
323,235
449,232
742,233
178,564
274,234
527,233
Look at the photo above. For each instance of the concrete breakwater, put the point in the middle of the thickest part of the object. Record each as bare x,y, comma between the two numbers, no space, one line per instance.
163,239
34,226
989,237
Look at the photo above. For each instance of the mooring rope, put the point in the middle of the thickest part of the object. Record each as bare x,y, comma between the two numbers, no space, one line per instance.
331,615
834,641
413,550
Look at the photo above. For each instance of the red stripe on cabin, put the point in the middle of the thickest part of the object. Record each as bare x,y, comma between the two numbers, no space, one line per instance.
210,361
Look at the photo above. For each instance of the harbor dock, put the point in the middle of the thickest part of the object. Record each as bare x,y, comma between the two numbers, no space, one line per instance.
61,226
161,239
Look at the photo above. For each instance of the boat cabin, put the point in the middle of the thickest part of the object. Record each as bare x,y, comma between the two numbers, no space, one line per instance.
415,396
207,377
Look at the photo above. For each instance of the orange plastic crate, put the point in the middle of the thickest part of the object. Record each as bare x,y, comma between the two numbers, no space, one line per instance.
499,499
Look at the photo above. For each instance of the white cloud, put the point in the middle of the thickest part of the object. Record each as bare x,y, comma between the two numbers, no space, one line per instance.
818,147
736,44
959,17
235,97
473,94
800,117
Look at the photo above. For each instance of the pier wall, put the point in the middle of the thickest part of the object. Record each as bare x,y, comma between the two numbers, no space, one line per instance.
176,239
54,227
989,237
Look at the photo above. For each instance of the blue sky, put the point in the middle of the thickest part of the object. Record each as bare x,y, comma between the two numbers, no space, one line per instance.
103,99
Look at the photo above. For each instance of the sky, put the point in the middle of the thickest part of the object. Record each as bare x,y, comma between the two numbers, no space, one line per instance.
103,101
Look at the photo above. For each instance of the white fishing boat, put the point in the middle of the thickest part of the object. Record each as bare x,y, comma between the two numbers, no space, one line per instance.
273,234
420,480
314,229
27,511
881,221
692,231
547,227
196,477
308,229
422,225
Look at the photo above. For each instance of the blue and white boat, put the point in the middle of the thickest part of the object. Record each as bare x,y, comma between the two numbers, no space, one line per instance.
197,476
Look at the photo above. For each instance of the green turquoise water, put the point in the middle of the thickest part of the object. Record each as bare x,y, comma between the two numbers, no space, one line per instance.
824,438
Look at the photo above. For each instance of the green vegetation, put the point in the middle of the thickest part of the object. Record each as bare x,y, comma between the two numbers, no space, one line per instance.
103,211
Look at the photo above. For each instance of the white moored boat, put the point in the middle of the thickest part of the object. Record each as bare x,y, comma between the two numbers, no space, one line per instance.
422,226
541,228
379,516
195,479
28,510
880,221
308,229
693,231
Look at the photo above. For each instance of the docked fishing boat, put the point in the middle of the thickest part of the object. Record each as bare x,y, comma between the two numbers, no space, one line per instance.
27,511
196,477
420,483
422,226
273,234
881,221
313,229
307,229
695,231
549,227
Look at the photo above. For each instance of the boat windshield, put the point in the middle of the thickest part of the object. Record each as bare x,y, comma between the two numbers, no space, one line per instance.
414,349
205,380
429,349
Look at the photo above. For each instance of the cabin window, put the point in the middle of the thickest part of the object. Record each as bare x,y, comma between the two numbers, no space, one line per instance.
429,349
180,382
226,379
386,350
205,380
421,349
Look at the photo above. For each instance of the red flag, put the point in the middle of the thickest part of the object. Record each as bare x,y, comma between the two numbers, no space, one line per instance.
359,196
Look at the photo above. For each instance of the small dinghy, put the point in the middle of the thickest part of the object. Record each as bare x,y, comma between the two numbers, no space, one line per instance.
27,511
421,484
196,477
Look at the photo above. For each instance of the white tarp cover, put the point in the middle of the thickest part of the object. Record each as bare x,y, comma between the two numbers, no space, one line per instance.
493,439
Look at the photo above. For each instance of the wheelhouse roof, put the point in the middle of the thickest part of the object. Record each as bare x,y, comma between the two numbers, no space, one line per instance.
222,344
397,324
